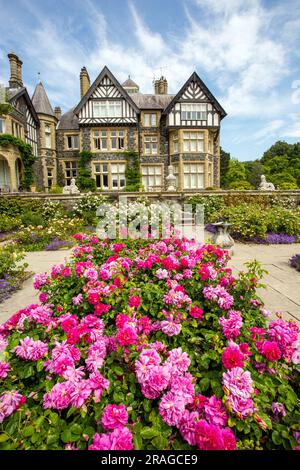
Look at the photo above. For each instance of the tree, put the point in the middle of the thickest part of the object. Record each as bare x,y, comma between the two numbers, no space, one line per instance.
236,172
254,176
224,165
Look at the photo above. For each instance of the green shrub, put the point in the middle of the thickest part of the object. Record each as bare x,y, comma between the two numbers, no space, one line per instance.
32,218
212,204
56,189
252,220
242,185
8,223
88,204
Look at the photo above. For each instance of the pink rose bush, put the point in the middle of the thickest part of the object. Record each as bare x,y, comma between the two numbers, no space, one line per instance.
148,344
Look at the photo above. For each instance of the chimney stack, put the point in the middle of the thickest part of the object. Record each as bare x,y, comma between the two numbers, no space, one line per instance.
57,112
161,86
84,81
14,81
19,71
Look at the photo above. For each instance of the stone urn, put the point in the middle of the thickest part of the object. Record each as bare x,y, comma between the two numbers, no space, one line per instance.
222,237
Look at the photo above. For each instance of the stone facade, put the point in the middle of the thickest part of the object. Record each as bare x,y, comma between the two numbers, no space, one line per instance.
148,122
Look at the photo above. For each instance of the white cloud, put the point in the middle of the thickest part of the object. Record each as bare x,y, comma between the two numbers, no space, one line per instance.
270,130
243,48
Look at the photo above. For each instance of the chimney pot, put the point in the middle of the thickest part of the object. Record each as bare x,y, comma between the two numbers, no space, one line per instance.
57,112
161,86
14,76
84,81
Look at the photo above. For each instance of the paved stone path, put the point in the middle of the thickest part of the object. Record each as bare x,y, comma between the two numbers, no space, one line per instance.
283,282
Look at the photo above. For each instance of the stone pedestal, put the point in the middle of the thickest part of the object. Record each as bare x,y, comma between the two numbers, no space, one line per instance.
72,189
171,179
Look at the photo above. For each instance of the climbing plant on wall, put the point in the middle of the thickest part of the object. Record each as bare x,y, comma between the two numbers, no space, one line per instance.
85,180
132,171
27,157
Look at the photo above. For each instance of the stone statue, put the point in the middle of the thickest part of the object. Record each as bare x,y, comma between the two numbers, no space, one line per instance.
72,189
265,185
171,179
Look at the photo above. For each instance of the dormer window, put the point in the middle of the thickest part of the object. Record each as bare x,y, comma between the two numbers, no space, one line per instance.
107,108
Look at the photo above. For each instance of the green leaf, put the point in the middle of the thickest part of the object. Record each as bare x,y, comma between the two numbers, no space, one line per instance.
4,437
39,366
149,433
118,370
66,436
138,442
276,438
76,429
28,431
160,443
204,384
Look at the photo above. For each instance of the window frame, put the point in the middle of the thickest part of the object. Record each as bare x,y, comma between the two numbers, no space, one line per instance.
151,144
73,171
149,117
72,137
146,175
187,175
189,112
193,143
48,144
107,105
2,125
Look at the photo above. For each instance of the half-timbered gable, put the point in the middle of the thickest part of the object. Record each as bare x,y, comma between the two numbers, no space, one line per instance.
194,106
106,102
24,111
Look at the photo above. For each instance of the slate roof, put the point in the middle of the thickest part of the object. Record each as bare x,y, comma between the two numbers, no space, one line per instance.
129,83
68,121
41,101
16,93
151,101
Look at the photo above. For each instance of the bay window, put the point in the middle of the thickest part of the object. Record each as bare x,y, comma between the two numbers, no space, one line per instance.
193,141
193,175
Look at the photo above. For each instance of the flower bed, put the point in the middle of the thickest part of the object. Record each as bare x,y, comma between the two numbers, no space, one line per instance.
148,345
295,262
12,271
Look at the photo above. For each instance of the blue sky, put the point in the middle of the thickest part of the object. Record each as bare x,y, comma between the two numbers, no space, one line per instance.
246,51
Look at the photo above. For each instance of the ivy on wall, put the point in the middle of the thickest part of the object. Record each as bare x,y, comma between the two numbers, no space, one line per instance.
132,172
5,108
85,180
27,157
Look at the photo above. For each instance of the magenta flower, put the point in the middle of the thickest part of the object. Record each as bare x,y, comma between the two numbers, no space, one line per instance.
121,439
232,357
238,382
209,436
4,369
114,416
270,350
77,300
100,442
187,426
171,327
126,336
31,350
171,408
9,403
232,324
134,301
215,412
